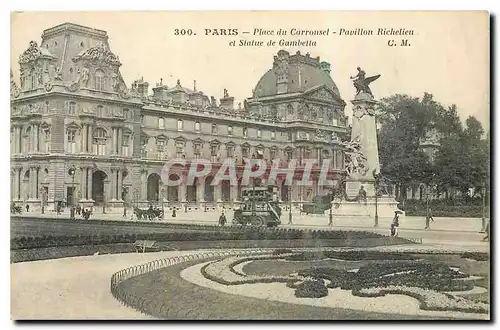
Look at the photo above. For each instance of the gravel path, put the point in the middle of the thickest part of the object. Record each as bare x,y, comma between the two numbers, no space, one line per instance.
73,288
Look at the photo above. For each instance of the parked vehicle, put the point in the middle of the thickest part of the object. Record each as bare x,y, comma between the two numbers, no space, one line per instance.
258,208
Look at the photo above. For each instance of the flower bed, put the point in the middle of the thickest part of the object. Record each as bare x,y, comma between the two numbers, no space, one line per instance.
424,280
429,299
221,271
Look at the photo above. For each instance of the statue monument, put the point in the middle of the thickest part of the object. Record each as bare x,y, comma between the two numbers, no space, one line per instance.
361,156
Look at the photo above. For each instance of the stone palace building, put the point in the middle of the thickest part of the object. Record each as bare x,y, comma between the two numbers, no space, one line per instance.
80,135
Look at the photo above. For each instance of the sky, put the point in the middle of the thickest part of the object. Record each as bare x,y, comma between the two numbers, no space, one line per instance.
448,54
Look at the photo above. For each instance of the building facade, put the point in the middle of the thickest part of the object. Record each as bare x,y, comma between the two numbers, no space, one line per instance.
80,135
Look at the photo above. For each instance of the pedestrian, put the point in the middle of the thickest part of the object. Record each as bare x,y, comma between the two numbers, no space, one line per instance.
124,211
173,213
430,215
27,208
395,225
487,231
222,220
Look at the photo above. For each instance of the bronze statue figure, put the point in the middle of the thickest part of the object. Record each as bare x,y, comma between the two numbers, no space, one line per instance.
361,83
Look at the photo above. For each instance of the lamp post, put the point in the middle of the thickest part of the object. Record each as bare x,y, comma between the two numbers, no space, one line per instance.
290,206
72,172
330,215
162,191
42,194
377,178
483,217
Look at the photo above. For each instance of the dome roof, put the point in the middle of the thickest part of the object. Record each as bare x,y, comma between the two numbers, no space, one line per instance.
304,72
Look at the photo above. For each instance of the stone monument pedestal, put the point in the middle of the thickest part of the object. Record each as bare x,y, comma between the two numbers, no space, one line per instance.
386,206
352,186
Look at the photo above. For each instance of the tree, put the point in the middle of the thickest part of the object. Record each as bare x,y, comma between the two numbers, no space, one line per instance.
404,122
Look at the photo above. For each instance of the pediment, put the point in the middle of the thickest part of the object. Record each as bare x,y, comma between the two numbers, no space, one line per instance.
322,93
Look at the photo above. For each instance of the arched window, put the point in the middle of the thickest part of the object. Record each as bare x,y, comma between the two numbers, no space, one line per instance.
180,125
99,80
99,141
161,123
197,126
230,130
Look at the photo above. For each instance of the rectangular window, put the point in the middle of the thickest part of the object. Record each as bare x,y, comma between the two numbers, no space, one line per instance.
259,133
230,151
126,114
274,153
245,132
179,150
290,136
197,151
71,139
214,150
289,155
245,151
72,108
161,123
230,130
197,126
180,125
273,135
214,129
100,111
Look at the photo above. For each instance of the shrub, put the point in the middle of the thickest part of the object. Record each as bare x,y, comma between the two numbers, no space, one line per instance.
478,256
311,289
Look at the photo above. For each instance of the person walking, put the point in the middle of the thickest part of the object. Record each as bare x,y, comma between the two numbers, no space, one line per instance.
222,220
27,208
487,231
395,225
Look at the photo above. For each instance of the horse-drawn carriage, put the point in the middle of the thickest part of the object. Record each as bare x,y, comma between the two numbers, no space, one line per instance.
148,214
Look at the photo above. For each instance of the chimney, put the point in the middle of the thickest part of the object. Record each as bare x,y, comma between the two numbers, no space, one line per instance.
141,87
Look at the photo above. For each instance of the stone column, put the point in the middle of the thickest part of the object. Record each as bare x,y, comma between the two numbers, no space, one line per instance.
113,141
218,192
83,183
89,140
182,192
144,185
234,193
120,142
200,190
84,138
89,184
120,185
112,185
17,182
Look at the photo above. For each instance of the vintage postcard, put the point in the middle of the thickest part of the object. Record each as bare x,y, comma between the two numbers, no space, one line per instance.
250,165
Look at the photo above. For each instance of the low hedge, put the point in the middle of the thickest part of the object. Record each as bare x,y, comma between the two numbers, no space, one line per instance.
445,209
350,255
29,242
478,256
